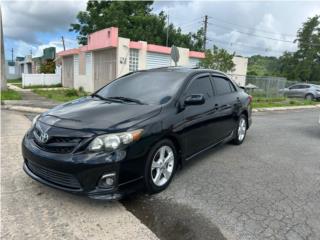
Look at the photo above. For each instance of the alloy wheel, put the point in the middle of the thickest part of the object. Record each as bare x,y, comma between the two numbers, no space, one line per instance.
242,129
162,166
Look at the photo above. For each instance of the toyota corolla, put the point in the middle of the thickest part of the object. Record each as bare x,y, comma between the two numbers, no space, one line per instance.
135,132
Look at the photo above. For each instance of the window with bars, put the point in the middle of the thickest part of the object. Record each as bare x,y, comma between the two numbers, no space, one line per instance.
134,60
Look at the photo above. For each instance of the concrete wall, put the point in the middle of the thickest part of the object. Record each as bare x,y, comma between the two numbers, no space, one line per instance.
40,79
240,71
12,72
123,52
85,78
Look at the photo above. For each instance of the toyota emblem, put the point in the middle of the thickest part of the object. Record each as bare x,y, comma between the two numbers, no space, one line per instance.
44,137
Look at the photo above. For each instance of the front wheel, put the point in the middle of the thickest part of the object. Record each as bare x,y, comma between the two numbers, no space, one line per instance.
241,130
309,97
160,166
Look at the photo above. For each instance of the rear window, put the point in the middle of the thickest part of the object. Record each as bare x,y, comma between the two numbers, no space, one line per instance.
223,86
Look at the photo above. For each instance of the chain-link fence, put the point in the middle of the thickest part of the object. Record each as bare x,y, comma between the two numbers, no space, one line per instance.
268,87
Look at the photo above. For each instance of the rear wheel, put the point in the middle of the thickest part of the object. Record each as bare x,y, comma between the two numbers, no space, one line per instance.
160,167
241,130
309,97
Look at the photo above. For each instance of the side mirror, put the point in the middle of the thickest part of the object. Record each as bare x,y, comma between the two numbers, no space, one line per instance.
194,99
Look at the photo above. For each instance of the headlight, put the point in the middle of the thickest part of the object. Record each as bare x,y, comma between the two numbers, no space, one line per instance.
35,119
111,142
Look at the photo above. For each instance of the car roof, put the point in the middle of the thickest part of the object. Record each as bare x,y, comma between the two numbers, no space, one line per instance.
187,70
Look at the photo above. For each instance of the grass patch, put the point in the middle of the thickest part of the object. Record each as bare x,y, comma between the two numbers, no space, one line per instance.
43,86
18,80
280,102
61,95
10,95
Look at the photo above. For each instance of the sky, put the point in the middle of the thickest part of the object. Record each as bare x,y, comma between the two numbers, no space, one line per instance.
245,27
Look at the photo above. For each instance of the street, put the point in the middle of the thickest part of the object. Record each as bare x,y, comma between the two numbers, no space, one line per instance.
266,188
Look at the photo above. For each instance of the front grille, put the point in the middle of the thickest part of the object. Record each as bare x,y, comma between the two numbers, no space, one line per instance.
59,178
56,144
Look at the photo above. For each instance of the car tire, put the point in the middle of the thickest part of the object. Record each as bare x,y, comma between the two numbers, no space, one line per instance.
159,170
309,97
241,130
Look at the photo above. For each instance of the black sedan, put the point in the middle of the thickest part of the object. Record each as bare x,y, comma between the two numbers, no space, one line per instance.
135,132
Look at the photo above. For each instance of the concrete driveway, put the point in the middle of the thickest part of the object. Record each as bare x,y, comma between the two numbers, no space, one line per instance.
267,188
30,210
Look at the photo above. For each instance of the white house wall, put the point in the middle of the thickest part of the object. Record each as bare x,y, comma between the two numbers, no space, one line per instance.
84,80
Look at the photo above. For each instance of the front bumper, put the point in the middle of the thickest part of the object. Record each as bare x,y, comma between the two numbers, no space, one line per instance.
80,174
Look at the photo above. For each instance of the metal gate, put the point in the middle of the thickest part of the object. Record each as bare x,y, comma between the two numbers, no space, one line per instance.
156,60
104,65
67,72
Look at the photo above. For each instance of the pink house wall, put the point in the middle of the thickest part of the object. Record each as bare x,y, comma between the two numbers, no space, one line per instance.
108,38
103,39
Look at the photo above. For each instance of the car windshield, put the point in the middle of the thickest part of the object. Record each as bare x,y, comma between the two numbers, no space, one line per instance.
154,87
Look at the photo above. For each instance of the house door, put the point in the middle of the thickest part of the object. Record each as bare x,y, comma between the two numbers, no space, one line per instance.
104,65
67,72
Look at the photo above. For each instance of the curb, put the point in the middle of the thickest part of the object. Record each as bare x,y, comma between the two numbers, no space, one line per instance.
24,109
273,109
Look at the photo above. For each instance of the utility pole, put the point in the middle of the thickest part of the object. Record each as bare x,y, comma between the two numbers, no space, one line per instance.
64,46
12,54
205,32
167,42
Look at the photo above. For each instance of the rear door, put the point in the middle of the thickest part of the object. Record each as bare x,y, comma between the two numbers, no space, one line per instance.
303,90
228,105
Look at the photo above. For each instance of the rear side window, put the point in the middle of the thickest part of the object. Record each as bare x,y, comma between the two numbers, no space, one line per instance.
223,86
200,85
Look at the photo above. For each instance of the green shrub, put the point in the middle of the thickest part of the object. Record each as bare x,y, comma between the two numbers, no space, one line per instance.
71,92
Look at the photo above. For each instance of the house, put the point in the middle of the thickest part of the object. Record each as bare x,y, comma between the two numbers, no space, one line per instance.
108,56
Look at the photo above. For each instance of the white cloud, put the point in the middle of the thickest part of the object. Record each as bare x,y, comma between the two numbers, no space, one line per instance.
22,48
277,17
23,20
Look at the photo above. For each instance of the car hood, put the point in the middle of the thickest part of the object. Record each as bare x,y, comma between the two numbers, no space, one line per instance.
94,114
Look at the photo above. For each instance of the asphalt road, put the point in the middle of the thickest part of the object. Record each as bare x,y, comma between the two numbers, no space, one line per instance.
267,188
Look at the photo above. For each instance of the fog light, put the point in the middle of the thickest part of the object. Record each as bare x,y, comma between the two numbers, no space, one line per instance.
107,180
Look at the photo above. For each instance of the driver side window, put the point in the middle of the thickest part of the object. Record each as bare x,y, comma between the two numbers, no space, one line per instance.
200,85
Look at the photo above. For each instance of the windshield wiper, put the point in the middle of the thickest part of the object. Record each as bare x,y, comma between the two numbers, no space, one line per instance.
126,99
103,98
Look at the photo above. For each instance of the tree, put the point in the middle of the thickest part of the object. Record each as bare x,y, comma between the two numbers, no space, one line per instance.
136,21
48,66
307,57
218,59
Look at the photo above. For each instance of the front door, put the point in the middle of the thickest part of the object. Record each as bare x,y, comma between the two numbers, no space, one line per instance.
198,120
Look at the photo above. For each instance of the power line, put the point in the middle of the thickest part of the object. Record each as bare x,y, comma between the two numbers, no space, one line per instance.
252,34
256,29
247,46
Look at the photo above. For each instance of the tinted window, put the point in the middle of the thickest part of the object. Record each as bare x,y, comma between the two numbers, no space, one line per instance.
201,85
148,87
295,87
305,86
222,86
